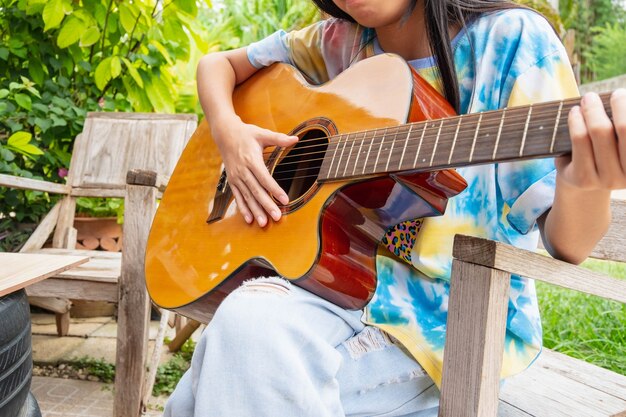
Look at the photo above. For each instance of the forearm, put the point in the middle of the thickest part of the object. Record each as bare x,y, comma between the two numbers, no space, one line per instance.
217,76
577,221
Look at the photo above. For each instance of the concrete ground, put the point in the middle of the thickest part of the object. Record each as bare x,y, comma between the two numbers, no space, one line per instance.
88,337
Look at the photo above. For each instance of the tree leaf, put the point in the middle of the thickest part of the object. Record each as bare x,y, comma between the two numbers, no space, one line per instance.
19,139
116,67
128,17
32,150
3,93
70,32
24,101
91,36
53,14
35,70
103,73
133,72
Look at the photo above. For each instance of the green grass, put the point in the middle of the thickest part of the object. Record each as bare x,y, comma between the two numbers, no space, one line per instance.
584,326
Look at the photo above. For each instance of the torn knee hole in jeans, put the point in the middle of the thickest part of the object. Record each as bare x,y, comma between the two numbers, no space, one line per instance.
267,285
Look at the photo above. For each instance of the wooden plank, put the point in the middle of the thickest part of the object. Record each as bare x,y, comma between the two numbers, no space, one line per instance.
43,231
536,266
56,305
585,373
100,190
507,410
22,269
143,116
613,244
21,183
473,349
74,290
116,143
543,393
103,266
65,222
134,303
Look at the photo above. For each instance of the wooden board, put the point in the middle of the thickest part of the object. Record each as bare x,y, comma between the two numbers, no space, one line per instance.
22,269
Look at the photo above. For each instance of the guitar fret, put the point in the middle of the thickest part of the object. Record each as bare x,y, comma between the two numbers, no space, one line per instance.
406,142
432,156
556,126
380,148
356,162
456,134
419,146
393,142
369,150
495,148
341,156
345,168
480,118
332,160
521,148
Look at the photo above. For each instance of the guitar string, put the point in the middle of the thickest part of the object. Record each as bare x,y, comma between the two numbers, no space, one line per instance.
540,113
297,158
538,110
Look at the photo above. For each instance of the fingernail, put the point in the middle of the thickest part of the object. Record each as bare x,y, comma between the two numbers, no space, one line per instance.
275,214
284,199
247,218
261,220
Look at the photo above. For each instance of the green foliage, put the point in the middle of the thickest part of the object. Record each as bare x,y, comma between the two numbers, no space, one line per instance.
60,59
169,374
585,17
96,367
101,207
585,326
607,58
236,23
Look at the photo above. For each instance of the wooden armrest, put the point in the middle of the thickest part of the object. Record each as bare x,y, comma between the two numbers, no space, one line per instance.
147,178
507,258
32,184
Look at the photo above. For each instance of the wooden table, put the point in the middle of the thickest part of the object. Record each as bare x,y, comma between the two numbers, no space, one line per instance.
18,270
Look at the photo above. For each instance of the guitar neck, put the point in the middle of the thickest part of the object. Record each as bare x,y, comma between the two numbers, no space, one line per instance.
525,132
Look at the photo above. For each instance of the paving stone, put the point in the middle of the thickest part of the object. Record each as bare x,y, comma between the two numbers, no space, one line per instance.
96,348
77,328
71,398
50,350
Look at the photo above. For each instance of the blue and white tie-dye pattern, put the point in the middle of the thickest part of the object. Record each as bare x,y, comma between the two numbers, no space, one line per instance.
502,59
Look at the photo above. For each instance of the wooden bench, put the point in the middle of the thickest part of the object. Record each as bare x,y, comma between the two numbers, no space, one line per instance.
555,385
110,145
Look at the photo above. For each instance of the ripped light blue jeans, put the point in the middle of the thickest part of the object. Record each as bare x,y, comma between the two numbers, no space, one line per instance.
274,349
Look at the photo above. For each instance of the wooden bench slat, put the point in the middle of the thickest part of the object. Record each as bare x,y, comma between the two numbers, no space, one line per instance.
543,391
103,266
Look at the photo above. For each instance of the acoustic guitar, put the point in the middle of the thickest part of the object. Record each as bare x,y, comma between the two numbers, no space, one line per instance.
376,148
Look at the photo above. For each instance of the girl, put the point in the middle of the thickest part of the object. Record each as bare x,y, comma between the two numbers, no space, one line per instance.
273,349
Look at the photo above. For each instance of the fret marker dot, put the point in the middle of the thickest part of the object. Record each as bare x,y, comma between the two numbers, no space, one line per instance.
540,127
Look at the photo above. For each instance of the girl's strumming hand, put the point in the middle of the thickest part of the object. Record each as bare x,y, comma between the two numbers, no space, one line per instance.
598,159
241,146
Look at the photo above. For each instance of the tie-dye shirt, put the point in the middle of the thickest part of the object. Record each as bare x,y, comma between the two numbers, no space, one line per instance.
502,59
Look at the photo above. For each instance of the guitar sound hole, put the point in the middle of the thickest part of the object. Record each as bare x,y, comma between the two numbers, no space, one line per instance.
297,170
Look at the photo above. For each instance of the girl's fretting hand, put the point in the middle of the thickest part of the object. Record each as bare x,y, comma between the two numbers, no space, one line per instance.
241,146
598,159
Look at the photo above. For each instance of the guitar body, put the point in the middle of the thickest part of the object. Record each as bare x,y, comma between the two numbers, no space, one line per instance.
327,239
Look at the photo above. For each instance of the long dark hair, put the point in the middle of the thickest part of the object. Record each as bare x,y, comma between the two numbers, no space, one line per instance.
439,15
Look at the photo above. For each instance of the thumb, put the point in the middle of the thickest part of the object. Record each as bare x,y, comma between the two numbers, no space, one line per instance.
278,139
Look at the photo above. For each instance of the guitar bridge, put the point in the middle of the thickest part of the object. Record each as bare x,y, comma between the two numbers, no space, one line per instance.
223,195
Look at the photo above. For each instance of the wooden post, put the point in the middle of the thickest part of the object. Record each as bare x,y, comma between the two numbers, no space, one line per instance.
134,303
474,341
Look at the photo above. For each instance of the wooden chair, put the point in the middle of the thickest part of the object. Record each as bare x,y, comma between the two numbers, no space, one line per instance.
110,145
555,385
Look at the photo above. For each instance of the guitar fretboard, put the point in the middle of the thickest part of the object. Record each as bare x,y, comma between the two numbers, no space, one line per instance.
515,133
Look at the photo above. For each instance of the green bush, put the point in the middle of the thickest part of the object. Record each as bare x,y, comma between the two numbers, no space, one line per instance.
607,57
60,59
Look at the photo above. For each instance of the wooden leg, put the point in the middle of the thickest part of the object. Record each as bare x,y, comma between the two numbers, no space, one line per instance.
63,323
182,335
474,341
134,304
